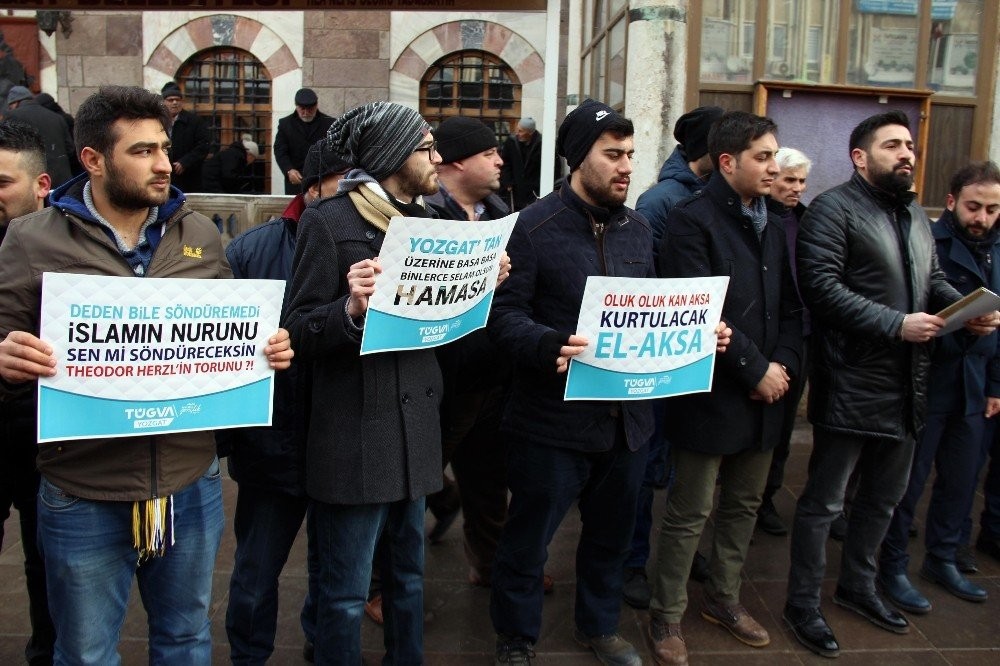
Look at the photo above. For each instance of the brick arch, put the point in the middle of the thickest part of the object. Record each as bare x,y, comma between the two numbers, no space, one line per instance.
220,30
446,38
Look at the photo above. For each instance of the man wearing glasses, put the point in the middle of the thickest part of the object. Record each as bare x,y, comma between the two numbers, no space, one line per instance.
373,450
296,133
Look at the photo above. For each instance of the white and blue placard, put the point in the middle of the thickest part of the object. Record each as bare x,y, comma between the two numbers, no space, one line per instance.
436,284
141,356
647,338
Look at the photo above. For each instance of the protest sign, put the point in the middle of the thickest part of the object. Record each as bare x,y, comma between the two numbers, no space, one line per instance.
648,338
437,281
140,356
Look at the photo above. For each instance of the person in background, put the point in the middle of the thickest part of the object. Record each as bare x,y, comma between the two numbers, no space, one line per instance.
24,184
229,170
268,463
60,153
296,133
190,140
521,173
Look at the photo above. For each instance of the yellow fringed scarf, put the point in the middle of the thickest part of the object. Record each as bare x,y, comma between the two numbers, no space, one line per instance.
153,526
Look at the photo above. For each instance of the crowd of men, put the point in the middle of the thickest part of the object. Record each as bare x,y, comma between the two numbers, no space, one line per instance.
842,293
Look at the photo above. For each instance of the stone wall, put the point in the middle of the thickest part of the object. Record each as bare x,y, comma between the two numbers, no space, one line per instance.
104,48
346,58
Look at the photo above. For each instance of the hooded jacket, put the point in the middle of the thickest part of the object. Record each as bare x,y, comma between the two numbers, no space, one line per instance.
675,183
65,238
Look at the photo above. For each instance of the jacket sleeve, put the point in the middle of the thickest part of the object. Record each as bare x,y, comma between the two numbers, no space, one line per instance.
280,148
789,349
821,251
689,255
202,142
511,324
315,311
20,299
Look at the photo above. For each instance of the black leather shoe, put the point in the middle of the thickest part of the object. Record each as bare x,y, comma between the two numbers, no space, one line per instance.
870,607
991,547
898,589
769,521
810,628
699,567
947,575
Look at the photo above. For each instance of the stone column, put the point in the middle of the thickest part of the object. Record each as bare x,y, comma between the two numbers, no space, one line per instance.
655,81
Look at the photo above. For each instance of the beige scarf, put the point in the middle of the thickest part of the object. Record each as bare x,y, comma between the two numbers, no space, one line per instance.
375,209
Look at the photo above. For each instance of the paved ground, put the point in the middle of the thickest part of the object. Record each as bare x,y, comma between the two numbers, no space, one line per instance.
956,632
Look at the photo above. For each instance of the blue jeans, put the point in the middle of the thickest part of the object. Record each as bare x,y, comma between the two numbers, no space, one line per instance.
951,444
265,523
90,559
345,542
544,482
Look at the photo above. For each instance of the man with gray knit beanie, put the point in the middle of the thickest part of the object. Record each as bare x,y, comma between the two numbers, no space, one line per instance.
373,450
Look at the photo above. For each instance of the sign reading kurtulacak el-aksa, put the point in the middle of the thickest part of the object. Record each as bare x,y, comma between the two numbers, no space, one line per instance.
647,338
141,356
437,281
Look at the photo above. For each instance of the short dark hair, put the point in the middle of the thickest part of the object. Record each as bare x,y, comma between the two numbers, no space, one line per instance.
734,131
973,174
620,126
19,137
863,135
97,114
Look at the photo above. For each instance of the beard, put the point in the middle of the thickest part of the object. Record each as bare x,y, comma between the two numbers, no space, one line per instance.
600,192
893,180
416,181
126,194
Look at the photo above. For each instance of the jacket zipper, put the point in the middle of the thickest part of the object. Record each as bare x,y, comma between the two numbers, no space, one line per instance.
599,229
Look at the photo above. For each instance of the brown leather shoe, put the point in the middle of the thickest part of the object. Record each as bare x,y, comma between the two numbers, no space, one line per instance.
373,609
737,620
667,644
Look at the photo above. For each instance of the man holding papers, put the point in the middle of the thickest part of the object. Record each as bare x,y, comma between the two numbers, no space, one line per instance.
110,509
870,277
963,392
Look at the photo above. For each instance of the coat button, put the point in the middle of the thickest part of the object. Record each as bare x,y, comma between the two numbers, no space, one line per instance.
406,398
767,315
430,393
370,235
743,361
765,267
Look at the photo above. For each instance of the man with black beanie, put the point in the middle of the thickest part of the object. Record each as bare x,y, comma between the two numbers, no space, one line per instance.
589,452
268,463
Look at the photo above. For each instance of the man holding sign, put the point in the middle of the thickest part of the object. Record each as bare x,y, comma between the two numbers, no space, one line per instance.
149,506
590,452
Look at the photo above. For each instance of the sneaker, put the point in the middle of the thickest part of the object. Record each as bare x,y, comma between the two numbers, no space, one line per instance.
965,559
768,520
667,643
612,649
636,591
735,619
514,650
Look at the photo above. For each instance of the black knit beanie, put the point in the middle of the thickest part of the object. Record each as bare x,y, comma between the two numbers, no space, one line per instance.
691,130
581,128
459,137
377,137
320,163
171,89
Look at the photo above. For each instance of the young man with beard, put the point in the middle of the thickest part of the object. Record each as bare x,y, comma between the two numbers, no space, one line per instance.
373,449
24,184
727,434
964,392
588,452
120,218
296,133
870,277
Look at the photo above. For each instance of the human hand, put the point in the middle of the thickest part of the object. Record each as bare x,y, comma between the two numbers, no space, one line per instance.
992,407
294,177
983,325
178,168
722,337
574,346
504,268
773,385
279,351
361,284
920,326
24,357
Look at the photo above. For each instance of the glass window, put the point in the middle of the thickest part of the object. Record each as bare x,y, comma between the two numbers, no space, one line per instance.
883,44
231,90
616,73
802,40
474,84
603,57
954,53
727,40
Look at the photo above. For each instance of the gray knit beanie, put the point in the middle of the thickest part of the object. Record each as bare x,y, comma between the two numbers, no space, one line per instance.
377,137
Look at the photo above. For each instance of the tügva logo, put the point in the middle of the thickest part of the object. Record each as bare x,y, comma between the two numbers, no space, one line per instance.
150,417
640,386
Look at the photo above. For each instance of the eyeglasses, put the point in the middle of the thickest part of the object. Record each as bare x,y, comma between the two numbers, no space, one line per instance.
429,148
